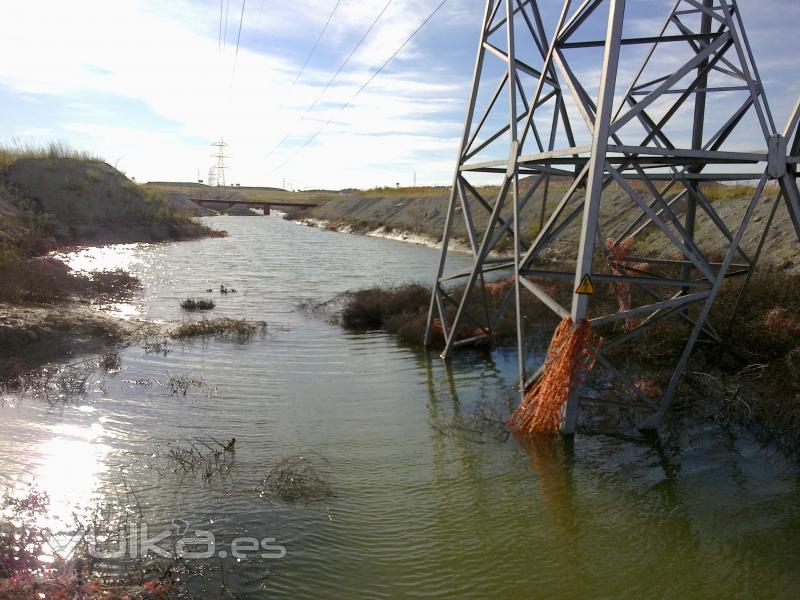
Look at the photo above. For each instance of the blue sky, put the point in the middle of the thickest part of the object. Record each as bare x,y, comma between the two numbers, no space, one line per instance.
145,84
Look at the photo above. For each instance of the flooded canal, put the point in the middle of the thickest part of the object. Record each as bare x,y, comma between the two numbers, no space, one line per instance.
420,505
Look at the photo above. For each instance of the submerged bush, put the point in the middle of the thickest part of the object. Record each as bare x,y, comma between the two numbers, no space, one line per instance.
403,310
112,285
295,479
373,308
197,304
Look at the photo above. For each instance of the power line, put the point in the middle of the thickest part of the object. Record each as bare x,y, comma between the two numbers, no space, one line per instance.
219,41
335,75
349,56
239,37
300,72
364,86
227,10
316,42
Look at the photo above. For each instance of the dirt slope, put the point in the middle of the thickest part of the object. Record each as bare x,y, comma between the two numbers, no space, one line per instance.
425,216
61,201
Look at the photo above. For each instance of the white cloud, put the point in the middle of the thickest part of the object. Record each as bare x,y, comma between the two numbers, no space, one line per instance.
165,57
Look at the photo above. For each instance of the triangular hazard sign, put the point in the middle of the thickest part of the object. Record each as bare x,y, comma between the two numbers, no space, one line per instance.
586,286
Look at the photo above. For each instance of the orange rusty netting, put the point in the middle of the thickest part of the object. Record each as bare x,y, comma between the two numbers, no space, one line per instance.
618,252
569,359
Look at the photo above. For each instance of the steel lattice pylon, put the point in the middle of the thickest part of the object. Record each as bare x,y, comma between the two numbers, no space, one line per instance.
550,107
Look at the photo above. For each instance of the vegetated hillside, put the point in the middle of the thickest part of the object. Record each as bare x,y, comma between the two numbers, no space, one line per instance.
423,211
50,202
52,197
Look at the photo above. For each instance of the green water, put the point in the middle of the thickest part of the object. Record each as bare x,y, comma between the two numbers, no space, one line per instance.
422,507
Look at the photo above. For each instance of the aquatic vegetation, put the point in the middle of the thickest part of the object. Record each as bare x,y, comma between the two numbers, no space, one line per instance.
295,479
179,385
110,362
372,308
197,304
55,385
238,329
32,566
403,310
157,346
207,457
116,285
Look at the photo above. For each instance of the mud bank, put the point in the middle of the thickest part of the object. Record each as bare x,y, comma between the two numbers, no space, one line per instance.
32,336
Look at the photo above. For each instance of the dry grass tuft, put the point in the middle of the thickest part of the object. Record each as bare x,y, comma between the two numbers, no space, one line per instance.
239,329
9,154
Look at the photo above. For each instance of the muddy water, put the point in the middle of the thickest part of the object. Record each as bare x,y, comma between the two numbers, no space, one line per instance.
422,506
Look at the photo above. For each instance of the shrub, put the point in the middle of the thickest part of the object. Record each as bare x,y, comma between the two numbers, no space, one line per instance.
42,281
197,304
372,308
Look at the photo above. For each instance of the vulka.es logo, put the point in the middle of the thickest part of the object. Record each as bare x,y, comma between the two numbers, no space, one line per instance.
180,540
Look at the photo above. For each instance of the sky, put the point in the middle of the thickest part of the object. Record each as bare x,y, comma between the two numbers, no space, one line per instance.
149,85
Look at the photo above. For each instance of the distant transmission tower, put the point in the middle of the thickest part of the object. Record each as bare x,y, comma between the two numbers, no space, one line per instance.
219,168
617,167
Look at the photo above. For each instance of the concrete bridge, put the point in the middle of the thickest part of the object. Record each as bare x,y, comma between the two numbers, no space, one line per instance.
263,204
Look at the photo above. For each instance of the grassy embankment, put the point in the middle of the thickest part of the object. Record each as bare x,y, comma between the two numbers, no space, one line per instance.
53,197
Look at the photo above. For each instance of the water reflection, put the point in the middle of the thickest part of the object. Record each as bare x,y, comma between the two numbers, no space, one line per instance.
104,258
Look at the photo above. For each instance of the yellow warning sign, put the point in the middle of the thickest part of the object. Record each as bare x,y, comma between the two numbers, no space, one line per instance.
586,286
